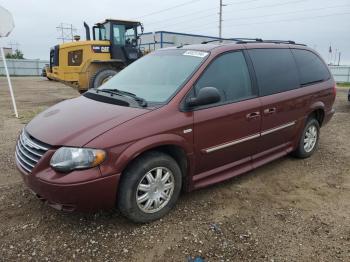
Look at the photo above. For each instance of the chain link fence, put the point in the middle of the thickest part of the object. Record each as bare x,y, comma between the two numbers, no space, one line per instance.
341,74
33,67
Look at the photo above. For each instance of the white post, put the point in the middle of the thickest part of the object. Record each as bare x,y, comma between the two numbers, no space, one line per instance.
9,82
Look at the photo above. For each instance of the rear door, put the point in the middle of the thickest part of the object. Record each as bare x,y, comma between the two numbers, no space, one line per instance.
283,105
226,133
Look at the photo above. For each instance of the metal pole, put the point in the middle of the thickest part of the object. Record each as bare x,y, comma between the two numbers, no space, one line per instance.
339,58
9,82
220,20
335,55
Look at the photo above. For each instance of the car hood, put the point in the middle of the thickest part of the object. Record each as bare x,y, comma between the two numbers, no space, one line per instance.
77,121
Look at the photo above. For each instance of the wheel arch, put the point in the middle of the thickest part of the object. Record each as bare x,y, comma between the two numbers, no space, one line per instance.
172,145
317,111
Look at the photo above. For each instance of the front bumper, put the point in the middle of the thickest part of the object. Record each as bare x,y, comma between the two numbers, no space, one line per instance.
87,196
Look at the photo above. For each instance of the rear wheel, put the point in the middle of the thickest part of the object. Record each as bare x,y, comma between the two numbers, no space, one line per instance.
149,188
308,142
101,76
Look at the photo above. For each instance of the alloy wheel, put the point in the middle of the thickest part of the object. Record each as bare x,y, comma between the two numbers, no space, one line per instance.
155,189
310,138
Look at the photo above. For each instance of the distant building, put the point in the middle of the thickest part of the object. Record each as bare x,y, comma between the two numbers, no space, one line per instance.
8,50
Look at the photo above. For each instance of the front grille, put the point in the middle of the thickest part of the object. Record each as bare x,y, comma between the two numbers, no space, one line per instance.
29,151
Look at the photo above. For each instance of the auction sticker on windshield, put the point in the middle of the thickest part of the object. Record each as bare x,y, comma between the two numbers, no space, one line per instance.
195,53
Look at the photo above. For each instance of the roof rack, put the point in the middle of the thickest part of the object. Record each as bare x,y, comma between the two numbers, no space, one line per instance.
254,40
233,39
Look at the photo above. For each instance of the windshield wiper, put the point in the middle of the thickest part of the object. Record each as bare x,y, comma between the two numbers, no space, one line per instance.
142,102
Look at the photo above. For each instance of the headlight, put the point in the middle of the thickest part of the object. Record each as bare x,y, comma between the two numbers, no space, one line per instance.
67,159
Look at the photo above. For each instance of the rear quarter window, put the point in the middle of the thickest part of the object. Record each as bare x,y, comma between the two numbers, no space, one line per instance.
275,70
311,68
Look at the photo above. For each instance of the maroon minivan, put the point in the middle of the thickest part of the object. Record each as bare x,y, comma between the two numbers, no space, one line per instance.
177,119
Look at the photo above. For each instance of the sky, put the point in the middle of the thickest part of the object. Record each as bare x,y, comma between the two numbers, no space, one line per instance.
317,23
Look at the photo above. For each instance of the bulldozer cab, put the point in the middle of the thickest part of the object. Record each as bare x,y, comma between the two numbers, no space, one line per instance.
123,37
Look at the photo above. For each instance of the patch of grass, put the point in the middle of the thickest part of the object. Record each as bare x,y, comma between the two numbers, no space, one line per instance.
26,116
343,85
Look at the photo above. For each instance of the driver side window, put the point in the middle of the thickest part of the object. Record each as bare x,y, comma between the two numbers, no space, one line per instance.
229,74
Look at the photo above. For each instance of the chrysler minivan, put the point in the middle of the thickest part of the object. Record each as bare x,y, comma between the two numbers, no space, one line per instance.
179,118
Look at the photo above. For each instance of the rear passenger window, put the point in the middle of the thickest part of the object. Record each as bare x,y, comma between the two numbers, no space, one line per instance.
311,67
275,70
229,74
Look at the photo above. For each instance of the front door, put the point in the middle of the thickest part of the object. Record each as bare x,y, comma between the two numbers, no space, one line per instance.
226,133
124,43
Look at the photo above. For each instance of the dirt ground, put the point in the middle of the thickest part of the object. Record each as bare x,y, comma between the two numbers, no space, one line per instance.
288,210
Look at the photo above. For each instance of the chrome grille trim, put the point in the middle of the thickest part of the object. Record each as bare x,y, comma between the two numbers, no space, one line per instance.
25,154
31,143
27,148
23,159
29,151
23,166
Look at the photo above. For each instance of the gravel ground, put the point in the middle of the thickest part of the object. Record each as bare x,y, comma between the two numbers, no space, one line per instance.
288,210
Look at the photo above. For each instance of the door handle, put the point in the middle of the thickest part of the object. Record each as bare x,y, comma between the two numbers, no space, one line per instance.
253,115
270,110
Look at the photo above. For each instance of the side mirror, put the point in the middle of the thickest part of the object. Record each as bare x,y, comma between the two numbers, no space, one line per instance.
206,96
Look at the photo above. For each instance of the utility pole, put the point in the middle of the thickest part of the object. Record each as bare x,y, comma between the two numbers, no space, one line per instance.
220,19
339,58
335,56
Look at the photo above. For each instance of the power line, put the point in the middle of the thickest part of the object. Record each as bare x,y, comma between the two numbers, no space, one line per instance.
287,13
176,17
272,5
274,14
288,20
243,2
169,8
201,11
294,19
229,11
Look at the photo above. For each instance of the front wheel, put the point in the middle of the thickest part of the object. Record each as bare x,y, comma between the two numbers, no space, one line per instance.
101,76
150,187
308,142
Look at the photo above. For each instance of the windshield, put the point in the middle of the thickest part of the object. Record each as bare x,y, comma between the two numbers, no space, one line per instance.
102,32
157,76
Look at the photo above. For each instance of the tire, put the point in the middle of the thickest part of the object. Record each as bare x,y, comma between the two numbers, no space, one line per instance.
136,175
101,76
49,79
311,130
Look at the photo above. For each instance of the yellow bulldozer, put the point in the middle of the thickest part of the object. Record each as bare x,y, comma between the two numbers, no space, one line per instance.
88,64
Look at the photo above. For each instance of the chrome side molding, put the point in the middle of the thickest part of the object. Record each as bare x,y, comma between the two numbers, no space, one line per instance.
244,139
